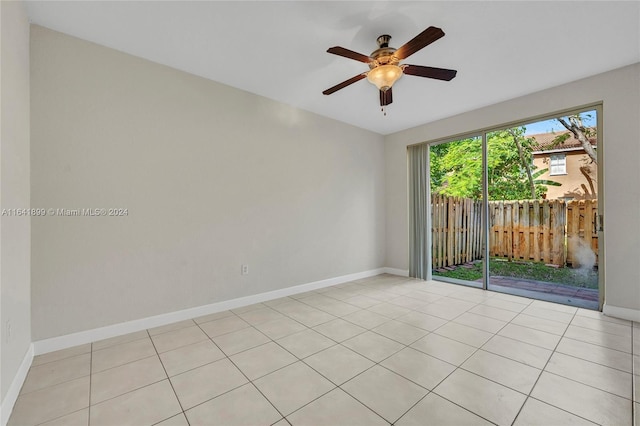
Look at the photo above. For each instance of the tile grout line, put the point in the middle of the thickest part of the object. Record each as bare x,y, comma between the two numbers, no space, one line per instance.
127,392
538,379
122,365
596,362
456,366
91,359
459,367
243,373
586,384
440,396
58,383
364,371
337,386
393,372
293,319
168,379
541,370
388,320
601,331
61,359
110,346
313,400
480,348
573,338
298,359
430,391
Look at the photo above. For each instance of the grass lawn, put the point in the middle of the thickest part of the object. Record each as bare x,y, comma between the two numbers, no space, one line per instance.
527,270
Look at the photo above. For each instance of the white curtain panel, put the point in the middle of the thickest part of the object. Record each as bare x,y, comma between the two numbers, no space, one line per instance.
419,196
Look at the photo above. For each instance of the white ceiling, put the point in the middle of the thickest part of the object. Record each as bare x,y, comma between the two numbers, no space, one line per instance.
278,49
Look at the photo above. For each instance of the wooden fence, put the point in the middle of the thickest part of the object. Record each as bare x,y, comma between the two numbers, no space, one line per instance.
528,230
549,231
456,230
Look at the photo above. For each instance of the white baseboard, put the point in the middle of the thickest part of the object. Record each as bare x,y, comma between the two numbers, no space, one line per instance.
622,313
14,390
83,337
394,271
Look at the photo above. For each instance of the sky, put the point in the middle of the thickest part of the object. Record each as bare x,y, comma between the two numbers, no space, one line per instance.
553,125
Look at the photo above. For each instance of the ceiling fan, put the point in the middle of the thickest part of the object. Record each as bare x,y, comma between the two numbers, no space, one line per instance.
384,64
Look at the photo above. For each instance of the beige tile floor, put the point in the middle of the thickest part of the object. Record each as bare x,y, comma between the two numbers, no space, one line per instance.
378,351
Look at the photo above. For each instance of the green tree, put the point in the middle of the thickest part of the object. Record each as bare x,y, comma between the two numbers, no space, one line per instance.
456,167
438,172
508,166
525,154
461,169
574,124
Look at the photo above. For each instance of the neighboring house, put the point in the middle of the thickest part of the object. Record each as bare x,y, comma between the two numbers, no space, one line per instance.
567,164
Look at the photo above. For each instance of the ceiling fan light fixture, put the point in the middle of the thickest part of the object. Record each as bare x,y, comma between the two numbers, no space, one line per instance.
384,64
383,76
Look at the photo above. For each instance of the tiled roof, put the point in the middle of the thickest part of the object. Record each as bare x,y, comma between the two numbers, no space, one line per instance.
545,141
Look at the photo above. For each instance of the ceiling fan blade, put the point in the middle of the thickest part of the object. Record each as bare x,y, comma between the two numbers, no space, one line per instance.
430,72
423,39
386,97
341,51
344,84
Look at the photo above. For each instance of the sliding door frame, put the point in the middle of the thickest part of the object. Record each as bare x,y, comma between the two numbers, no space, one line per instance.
482,133
429,213
485,212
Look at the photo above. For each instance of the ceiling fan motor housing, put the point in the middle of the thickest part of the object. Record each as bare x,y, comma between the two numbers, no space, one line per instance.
384,54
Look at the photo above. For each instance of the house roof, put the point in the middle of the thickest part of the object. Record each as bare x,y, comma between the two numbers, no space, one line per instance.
545,142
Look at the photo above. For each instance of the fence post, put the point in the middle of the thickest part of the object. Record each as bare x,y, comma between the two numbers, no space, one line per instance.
515,230
557,229
536,230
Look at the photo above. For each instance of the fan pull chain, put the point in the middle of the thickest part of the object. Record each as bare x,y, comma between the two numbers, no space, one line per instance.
384,110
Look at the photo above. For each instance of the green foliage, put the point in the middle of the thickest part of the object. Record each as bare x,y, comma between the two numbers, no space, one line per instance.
539,173
506,174
531,270
559,140
459,168
545,182
438,172
456,167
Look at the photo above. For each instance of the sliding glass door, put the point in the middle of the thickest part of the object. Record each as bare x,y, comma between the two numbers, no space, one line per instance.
457,237
542,209
515,209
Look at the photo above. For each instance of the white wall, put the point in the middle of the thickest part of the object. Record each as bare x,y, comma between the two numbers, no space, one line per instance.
212,177
15,240
619,90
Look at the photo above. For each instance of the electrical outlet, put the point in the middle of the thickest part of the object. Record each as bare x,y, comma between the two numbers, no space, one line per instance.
244,270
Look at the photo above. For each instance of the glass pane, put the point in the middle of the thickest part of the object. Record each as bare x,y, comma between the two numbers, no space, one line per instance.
456,211
543,203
